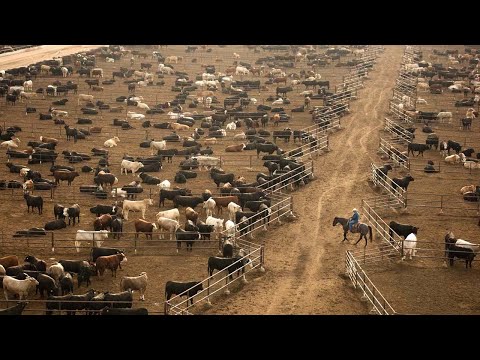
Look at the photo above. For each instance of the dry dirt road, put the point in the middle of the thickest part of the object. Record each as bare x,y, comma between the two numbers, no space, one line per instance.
305,258
29,56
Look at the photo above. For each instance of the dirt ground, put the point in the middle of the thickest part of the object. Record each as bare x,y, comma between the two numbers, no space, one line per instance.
305,259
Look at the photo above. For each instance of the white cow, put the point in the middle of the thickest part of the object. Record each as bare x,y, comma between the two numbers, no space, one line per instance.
471,165
217,223
173,214
90,236
143,106
232,209
13,143
409,246
240,70
135,283
165,184
22,288
240,136
111,142
84,97
64,71
139,205
207,161
209,206
135,116
28,85
132,166
109,60
118,192
467,245
168,225
231,126
230,228
158,145
56,271
445,115
59,113
452,159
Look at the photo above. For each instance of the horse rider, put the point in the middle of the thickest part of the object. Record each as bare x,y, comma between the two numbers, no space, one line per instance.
354,219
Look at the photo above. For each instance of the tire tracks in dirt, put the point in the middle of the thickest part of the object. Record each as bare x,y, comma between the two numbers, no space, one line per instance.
305,258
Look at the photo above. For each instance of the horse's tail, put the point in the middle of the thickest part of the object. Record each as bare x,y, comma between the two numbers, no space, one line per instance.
370,230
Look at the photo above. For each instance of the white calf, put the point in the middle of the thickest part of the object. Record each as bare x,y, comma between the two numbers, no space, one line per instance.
409,246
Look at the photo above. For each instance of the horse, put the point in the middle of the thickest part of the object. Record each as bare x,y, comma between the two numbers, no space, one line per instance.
361,228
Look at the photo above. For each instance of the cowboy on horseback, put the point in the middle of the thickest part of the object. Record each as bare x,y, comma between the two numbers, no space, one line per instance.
354,219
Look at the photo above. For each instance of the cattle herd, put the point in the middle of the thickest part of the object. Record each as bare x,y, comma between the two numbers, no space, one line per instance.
155,114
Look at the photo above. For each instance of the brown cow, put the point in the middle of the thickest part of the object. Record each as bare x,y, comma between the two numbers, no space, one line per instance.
145,227
191,215
69,176
8,261
96,129
111,262
280,80
223,201
235,148
103,222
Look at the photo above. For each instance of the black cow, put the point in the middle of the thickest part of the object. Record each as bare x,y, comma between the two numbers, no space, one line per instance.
468,152
46,283
453,145
180,178
148,179
171,194
401,229
403,182
417,147
97,252
104,209
383,171
187,201
432,140
267,148
73,213
66,283
205,230
69,302
187,235
222,178
55,225
119,300
33,202
231,264
189,289
117,227
137,311
14,310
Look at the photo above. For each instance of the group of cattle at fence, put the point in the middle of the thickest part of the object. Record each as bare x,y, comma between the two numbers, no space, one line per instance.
284,170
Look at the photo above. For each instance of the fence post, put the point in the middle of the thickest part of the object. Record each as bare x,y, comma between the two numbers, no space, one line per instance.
441,204
53,242
135,245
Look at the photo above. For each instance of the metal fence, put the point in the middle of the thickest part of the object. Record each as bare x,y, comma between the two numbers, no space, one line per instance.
386,184
398,131
398,158
361,281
